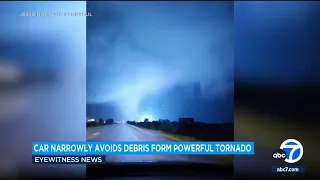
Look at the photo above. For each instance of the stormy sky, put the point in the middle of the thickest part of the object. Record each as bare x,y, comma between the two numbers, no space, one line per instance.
135,49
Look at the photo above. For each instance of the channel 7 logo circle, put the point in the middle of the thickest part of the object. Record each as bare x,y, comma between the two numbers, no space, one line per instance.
291,151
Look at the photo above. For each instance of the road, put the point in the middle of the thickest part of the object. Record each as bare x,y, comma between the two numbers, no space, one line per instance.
126,132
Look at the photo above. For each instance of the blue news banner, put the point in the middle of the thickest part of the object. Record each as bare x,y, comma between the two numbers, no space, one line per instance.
94,152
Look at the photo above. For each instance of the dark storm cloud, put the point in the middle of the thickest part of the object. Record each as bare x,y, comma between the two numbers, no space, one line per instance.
136,48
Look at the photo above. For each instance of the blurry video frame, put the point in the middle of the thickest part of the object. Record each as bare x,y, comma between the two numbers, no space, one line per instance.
160,71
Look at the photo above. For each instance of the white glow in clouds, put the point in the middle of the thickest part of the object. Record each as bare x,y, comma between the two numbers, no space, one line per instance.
142,118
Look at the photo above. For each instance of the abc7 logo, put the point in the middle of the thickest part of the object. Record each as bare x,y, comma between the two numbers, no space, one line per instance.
279,154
